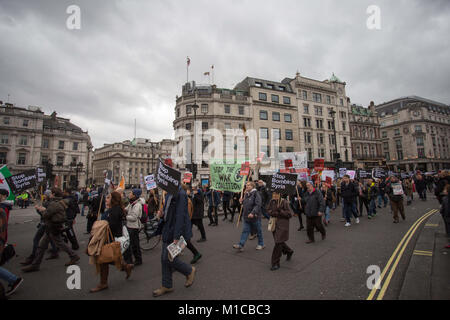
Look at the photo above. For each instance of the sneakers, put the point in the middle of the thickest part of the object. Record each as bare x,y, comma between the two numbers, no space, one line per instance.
369,217
258,247
196,258
236,246
275,267
14,287
72,261
347,224
190,278
161,291
357,220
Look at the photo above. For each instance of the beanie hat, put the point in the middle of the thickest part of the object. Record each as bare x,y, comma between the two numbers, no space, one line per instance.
137,192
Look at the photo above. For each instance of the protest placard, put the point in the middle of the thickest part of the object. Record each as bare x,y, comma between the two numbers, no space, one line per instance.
226,176
22,181
299,160
378,173
342,172
40,173
328,173
187,177
362,174
351,173
5,173
168,178
319,164
283,183
150,182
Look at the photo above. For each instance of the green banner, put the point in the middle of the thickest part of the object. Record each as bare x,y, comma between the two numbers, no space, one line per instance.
4,173
226,177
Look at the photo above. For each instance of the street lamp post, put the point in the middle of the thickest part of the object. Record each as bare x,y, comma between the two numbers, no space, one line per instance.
193,164
77,167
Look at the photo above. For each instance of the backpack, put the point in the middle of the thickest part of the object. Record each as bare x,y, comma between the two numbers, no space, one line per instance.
144,216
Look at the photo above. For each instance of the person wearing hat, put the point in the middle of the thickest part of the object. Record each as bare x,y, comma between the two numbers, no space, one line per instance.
134,213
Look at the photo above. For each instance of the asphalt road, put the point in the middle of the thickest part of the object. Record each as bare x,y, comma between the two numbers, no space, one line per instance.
335,268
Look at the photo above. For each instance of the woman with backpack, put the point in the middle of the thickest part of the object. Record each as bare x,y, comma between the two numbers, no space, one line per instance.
134,213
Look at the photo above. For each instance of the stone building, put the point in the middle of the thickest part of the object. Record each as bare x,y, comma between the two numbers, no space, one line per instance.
29,139
415,133
365,137
130,159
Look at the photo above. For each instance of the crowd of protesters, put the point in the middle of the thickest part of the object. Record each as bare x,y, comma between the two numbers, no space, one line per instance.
120,212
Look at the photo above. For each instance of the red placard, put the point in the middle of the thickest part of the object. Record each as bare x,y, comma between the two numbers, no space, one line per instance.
187,177
319,164
288,163
245,169
329,180
168,162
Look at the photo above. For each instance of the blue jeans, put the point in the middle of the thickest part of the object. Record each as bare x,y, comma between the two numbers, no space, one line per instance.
372,207
384,198
82,209
355,209
168,267
327,214
8,276
264,213
247,229
348,210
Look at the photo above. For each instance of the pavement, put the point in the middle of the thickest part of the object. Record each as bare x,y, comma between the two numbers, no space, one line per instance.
336,268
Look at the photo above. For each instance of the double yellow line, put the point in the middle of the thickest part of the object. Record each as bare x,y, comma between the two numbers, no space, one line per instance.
401,247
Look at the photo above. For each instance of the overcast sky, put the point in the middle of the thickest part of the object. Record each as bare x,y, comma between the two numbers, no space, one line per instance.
128,60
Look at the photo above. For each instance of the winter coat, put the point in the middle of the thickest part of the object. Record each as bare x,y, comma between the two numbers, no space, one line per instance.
265,197
227,196
364,192
348,192
390,193
115,218
134,214
252,205
421,185
283,214
329,198
72,207
445,208
372,192
176,222
199,206
314,203
55,214
212,193
407,187
153,205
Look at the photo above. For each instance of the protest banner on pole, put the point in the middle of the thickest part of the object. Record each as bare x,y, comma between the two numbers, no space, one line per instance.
299,161
362,174
351,173
378,173
328,173
150,182
168,178
226,176
5,173
283,183
319,164
22,181
40,173
187,177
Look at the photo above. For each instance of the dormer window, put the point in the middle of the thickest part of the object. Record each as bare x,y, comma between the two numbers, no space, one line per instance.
258,84
270,86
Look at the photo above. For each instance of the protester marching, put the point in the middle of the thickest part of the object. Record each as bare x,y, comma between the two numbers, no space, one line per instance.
168,206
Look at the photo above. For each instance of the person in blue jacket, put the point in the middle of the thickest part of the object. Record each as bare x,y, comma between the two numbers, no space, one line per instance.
175,223
213,197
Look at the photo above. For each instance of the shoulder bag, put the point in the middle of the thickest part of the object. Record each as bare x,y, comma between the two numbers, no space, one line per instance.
110,251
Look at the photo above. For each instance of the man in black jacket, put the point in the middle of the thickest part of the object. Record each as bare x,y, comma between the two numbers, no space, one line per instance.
71,212
314,210
348,194
421,187
199,212
395,192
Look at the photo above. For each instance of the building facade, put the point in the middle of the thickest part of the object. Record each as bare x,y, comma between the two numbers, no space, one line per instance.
30,139
415,134
130,159
365,137
298,114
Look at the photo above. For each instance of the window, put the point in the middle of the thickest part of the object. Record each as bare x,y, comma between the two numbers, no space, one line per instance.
227,109
275,98
241,110
317,97
345,141
270,86
275,116
266,150
227,125
319,124
178,112
330,125
318,111
23,140
289,135
384,134
306,108
397,132
321,153
289,149
344,126
280,149
307,137
61,145
25,123
341,101
75,146
418,128
5,120
2,157
204,146
204,125
343,115
331,139
204,108
45,143
262,96
21,158
282,88
188,126
188,109
263,115
287,117
276,134
310,153
4,139
385,146
419,141
304,95
320,138
286,100
386,156
263,133
307,122
258,84
328,99
395,121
